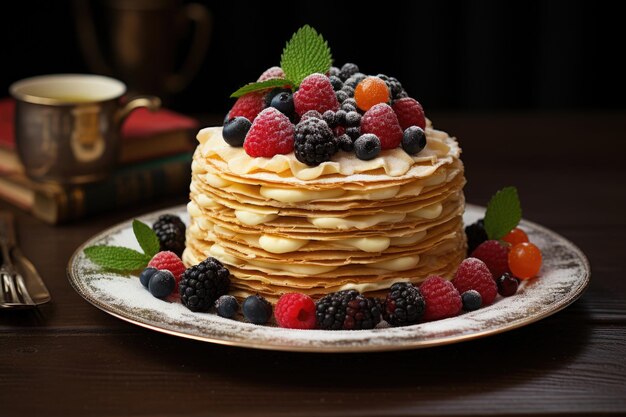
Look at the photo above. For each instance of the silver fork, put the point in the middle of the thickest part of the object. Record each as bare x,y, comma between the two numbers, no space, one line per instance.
13,291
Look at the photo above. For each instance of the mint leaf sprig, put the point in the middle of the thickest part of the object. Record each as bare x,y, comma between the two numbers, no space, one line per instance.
122,259
306,53
504,213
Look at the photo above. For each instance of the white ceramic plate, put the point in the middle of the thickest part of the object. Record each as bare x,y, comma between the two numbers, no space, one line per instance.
563,278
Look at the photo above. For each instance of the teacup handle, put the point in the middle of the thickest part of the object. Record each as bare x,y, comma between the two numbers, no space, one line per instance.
201,17
152,103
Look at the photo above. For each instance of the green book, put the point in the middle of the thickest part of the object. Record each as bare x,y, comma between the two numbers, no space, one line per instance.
128,185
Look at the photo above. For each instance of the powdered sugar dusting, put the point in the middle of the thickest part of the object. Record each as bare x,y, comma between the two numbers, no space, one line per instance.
563,277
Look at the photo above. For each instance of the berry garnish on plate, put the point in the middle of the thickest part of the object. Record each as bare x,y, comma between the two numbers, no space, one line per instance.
169,261
472,300
515,236
146,274
507,285
295,311
442,299
161,284
170,230
226,306
473,274
495,255
202,284
404,305
476,235
347,310
257,309
525,260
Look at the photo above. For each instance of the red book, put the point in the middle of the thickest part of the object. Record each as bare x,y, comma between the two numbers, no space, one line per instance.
145,135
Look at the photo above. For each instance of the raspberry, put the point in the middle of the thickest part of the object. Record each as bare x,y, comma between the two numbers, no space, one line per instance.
295,311
315,93
271,133
249,105
525,260
369,92
495,255
271,73
442,299
169,261
473,274
381,121
314,142
409,112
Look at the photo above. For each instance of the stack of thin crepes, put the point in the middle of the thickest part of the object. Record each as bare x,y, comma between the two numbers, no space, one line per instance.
281,226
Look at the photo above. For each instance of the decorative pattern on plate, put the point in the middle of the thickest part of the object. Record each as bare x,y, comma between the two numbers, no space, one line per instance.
563,278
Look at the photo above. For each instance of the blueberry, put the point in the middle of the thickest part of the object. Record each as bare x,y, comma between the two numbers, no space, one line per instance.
348,90
353,132
162,284
340,117
273,93
367,147
413,140
235,131
353,119
345,143
146,274
341,96
348,70
283,102
471,300
257,309
348,102
335,82
507,285
227,306
329,118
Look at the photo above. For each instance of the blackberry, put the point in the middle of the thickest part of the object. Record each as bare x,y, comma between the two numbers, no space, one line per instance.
314,142
347,71
476,235
345,143
170,230
335,82
347,310
396,89
202,284
354,80
404,304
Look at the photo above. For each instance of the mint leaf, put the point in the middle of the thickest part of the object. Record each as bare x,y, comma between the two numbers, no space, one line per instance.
504,213
263,85
306,53
117,258
147,238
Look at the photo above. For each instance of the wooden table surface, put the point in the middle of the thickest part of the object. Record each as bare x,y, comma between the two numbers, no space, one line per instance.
70,358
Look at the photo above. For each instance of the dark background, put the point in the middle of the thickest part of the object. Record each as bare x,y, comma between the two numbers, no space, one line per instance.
459,56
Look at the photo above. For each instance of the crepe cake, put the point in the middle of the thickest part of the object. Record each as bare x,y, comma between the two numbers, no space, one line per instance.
281,225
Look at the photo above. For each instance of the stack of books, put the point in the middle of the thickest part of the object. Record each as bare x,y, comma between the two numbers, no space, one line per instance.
154,162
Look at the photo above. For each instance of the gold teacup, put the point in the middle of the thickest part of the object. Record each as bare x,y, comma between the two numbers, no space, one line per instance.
67,126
